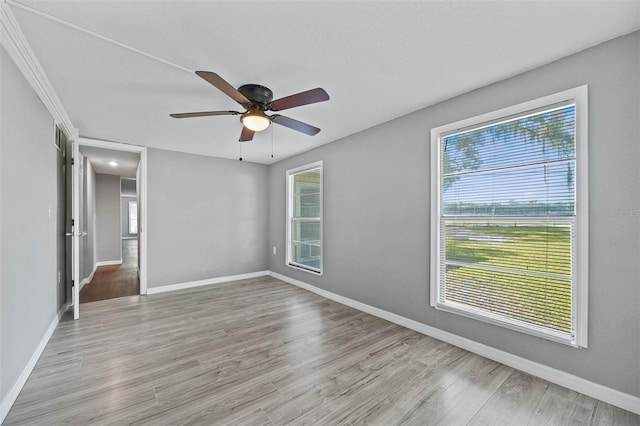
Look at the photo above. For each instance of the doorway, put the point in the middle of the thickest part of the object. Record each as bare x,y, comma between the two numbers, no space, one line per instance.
110,206
115,275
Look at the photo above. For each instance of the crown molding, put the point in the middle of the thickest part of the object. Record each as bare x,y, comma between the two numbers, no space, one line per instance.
16,45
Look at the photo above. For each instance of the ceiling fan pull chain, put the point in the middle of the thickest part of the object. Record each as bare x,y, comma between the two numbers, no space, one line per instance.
272,142
240,151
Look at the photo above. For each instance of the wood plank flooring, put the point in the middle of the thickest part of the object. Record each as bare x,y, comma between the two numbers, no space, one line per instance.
114,281
262,352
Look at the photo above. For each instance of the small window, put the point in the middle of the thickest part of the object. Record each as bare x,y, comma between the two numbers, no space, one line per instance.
133,217
304,218
509,217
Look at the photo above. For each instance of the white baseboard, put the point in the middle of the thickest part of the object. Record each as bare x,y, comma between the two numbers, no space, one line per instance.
95,267
578,384
108,262
219,280
14,391
89,278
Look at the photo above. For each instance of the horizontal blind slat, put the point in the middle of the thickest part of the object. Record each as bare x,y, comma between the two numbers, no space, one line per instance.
542,137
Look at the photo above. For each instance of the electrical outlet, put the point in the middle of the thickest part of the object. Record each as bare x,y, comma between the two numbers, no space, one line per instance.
274,249
59,277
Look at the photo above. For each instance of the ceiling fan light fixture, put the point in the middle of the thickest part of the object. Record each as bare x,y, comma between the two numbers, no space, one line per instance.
256,121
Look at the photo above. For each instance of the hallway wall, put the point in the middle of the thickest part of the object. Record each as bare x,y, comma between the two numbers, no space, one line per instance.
108,246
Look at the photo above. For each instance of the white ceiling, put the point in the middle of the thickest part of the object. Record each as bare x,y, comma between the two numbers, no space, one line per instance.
377,60
100,158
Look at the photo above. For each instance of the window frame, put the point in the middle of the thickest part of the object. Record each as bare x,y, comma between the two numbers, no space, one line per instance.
580,258
289,218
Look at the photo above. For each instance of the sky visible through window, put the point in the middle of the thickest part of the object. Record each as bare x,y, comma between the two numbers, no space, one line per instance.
526,162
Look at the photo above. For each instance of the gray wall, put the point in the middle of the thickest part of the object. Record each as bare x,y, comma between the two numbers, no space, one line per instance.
108,242
377,206
207,217
28,244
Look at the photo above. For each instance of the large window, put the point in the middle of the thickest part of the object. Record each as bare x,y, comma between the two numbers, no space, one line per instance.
304,218
509,217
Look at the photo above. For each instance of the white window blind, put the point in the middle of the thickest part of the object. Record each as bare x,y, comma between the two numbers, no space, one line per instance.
304,224
506,221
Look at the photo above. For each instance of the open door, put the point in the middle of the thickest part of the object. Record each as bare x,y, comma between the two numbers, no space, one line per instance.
76,231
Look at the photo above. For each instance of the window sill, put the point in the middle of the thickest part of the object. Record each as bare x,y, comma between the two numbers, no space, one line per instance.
515,326
304,269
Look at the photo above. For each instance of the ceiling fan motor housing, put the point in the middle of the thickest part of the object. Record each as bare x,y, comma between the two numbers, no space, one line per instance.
257,93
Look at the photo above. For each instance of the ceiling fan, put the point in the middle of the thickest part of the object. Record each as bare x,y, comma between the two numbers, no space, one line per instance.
257,99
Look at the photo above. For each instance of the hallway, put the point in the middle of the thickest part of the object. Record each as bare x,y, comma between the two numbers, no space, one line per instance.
114,281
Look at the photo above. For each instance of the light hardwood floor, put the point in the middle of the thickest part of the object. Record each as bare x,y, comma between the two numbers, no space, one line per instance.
263,352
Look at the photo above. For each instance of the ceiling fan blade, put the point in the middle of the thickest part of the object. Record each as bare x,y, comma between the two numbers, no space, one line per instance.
203,114
246,135
223,86
305,128
303,98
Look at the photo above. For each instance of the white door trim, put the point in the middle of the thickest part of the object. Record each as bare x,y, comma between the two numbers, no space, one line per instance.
75,228
116,146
